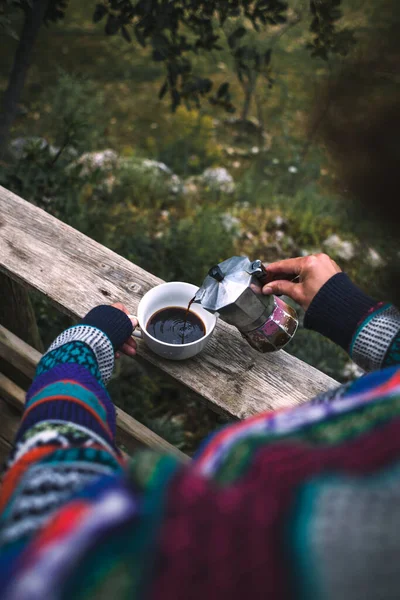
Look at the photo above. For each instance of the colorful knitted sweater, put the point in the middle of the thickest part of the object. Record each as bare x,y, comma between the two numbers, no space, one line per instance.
301,503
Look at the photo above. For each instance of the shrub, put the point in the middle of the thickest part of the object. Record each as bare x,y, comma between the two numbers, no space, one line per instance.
185,142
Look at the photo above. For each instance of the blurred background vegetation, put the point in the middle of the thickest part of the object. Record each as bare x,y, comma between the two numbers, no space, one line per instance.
176,191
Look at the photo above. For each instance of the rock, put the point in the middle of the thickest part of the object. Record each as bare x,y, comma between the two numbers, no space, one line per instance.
230,223
341,248
279,221
190,186
156,165
21,146
352,371
374,259
104,160
219,179
175,184
109,182
249,126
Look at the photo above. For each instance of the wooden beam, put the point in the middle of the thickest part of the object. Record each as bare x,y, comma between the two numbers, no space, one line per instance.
130,432
17,311
76,273
9,423
12,393
5,449
10,417
18,353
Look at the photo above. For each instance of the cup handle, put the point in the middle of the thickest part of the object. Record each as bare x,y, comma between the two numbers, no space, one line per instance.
137,334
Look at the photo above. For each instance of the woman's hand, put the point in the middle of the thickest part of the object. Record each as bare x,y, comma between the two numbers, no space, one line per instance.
306,275
129,347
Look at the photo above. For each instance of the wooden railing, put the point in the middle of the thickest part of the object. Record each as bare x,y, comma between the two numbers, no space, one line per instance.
130,433
76,273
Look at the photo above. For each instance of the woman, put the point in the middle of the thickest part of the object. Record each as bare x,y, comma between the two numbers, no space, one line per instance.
303,503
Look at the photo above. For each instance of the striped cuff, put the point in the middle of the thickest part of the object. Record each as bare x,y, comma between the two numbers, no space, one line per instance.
374,337
112,321
96,340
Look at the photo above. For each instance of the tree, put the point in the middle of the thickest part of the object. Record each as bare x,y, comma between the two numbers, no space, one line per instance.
175,30
36,12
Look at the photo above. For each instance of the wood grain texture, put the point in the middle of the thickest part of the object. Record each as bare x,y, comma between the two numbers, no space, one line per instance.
5,449
12,393
10,417
17,311
9,423
76,273
130,432
20,354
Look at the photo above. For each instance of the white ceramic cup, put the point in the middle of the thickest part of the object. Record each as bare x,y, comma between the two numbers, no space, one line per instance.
175,293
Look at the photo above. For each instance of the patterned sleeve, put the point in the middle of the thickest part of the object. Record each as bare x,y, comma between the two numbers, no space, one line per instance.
368,330
67,432
376,342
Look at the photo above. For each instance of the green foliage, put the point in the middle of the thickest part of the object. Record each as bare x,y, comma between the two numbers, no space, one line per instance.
77,113
175,30
170,245
191,245
55,11
326,40
40,180
8,9
186,143
319,352
46,172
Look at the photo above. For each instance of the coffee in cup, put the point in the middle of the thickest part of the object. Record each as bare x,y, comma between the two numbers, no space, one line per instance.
176,325
155,323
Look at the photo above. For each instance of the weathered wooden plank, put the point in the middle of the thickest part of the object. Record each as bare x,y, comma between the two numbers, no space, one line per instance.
128,428
10,417
18,353
9,422
130,432
17,311
5,449
12,393
77,273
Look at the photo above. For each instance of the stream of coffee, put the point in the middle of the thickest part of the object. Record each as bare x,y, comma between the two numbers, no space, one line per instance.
176,325
186,316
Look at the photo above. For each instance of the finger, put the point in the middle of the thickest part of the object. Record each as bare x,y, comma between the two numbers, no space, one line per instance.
131,342
289,266
117,355
287,288
128,349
